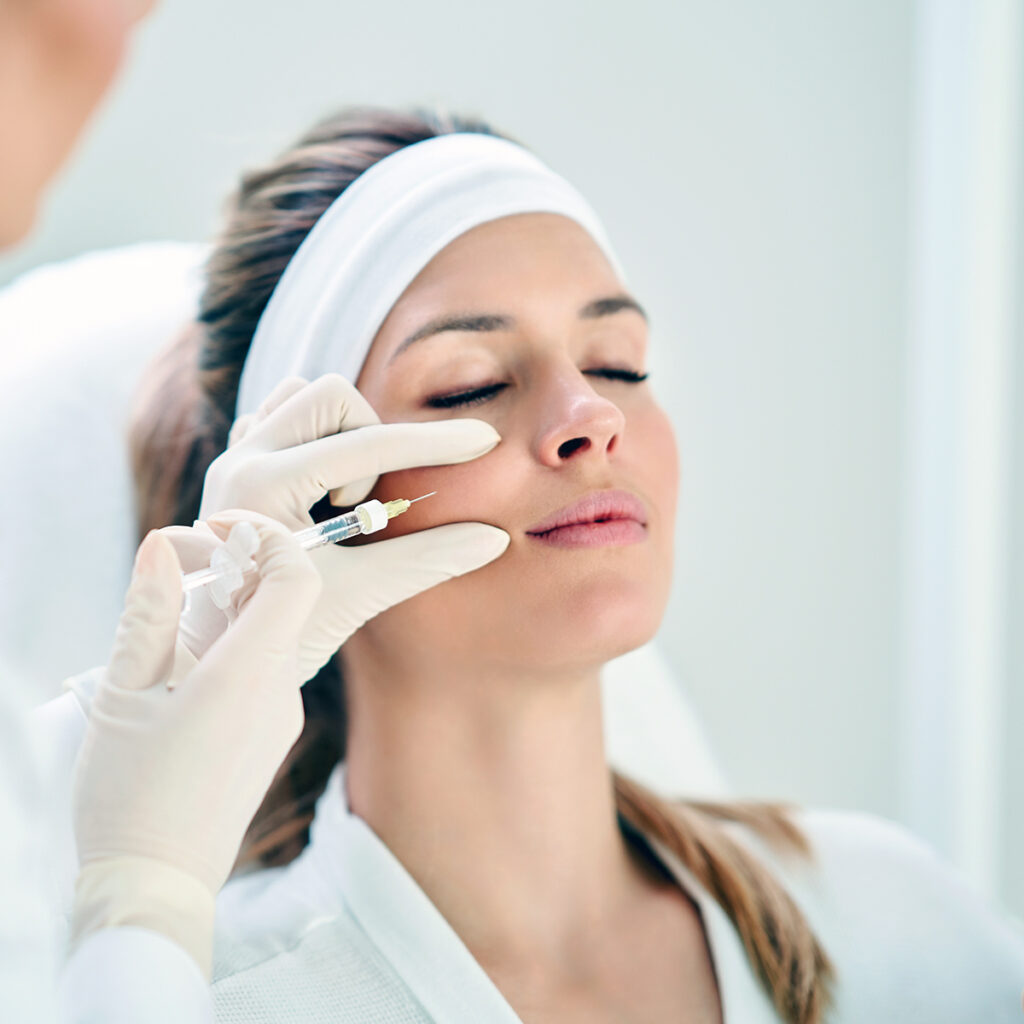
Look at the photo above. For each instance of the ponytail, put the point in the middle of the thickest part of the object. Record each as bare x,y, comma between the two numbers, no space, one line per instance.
793,968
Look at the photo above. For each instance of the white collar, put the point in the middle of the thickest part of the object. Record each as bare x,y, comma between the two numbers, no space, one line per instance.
365,877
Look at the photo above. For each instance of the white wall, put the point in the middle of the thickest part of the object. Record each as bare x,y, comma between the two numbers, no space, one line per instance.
1012,806
965,271
751,161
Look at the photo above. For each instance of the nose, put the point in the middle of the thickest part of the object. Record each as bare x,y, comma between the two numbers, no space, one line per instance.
575,421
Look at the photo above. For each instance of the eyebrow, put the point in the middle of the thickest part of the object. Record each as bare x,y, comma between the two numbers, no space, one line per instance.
501,322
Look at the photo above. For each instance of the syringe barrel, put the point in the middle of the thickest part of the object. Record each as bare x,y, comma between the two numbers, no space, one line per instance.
340,528
368,517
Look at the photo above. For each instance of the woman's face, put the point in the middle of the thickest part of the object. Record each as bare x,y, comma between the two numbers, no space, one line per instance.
57,58
549,360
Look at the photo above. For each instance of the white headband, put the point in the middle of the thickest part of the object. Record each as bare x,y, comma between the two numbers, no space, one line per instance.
374,239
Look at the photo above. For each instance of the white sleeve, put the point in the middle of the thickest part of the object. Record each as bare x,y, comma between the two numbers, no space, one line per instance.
27,933
117,976
57,729
133,976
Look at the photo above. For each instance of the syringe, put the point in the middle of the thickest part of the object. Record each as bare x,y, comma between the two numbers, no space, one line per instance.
369,517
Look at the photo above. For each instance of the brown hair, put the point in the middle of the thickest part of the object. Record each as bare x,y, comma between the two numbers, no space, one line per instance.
183,416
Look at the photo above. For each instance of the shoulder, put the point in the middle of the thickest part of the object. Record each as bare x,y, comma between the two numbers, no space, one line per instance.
909,934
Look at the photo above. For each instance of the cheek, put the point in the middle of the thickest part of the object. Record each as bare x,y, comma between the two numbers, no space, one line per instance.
656,458
471,491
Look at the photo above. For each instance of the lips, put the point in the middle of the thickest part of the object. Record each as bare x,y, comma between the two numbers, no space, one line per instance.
610,517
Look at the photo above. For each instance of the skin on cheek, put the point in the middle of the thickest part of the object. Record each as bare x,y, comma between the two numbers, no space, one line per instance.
664,463
598,604
500,488
464,494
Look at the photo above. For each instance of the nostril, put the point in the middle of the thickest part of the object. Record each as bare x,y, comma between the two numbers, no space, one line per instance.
567,448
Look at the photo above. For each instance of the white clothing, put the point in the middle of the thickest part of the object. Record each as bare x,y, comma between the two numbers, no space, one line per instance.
344,933
132,976
117,976
28,958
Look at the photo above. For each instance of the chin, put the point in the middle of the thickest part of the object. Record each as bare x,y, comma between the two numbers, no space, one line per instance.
602,620
556,621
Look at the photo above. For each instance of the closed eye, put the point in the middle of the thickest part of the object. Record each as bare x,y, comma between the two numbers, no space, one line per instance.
629,376
477,396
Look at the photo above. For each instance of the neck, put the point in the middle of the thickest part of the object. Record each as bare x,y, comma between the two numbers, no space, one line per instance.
494,793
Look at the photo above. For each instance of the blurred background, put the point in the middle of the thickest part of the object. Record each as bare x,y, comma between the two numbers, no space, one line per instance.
820,206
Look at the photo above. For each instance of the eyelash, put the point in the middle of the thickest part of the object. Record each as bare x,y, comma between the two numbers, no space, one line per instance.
480,395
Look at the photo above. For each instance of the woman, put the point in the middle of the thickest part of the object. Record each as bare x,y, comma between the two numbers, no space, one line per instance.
472,856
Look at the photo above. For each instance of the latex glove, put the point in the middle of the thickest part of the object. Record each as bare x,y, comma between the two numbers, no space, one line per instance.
310,439
167,781
202,621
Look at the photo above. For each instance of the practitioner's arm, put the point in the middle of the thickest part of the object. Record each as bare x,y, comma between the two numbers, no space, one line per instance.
143,901
168,780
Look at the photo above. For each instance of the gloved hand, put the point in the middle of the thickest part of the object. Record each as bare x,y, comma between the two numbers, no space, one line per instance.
168,780
303,443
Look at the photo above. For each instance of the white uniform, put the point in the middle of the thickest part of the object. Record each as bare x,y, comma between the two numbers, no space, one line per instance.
344,933
119,976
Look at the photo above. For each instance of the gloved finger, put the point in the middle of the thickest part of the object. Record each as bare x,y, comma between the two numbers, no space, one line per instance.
201,620
221,523
284,390
391,571
240,428
209,609
233,559
326,406
280,605
192,544
455,441
143,652
227,526
346,465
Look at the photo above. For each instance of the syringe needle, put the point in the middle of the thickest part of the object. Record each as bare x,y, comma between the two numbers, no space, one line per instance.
422,496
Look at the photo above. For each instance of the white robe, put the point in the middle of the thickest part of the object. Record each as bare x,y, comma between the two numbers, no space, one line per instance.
344,933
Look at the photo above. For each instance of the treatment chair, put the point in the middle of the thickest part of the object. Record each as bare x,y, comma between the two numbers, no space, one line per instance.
76,337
